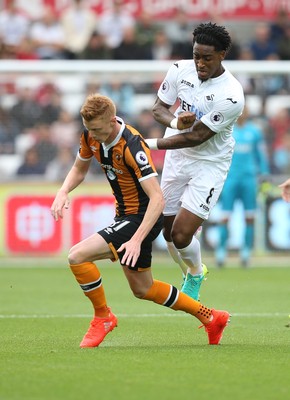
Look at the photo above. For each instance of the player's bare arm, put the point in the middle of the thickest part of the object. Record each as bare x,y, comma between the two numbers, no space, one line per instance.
75,176
199,134
162,114
154,210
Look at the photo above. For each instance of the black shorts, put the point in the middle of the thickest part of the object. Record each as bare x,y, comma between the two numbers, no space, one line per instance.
123,229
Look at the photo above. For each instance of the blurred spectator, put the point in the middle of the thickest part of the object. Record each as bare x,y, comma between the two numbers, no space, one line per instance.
283,44
246,80
278,26
96,48
58,168
26,50
78,22
44,145
281,156
13,28
26,111
280,125
234,52
144,122
149,128
47,36
8,132
31,164
162,47
113,22
65,131
122,94
48,97
262,46
179,28
129,49
146,28
179,32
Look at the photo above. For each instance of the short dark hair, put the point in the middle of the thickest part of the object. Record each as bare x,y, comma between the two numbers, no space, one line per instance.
212,35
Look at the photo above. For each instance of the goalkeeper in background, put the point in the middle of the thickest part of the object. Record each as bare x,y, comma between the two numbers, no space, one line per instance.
249,167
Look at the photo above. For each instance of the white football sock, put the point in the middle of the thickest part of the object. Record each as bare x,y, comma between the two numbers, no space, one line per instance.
173,251
191,256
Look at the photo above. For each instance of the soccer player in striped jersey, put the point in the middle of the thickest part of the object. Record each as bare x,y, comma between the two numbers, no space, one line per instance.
126,161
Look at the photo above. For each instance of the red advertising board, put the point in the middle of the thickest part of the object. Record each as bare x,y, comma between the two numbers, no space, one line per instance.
90,214
164,9
30,227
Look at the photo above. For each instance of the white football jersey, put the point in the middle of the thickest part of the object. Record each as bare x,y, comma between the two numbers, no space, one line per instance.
217,102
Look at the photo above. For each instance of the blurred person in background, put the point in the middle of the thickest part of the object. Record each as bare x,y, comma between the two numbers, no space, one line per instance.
281,156
262,46
146,28
279,124
44,144
283,44
127,164
47,36
279,24
179,31
49,97
249,168
96,49
129,48
9,130
112,23
64,131
58,168
246,79
26,111
32,164
78,22
161,47
14,28
210,100
26,50
122,94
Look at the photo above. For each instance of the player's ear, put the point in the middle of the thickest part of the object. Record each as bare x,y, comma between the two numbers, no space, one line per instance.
113,121
222,55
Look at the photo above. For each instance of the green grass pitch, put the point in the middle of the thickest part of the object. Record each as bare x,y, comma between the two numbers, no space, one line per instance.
155,353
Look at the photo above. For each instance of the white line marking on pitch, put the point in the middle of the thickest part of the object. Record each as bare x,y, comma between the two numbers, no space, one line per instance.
27,316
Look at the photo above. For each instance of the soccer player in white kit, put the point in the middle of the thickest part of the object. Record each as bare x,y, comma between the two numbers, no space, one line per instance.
209,100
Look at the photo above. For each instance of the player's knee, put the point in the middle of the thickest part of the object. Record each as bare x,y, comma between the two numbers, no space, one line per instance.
180,239
138,292
74,257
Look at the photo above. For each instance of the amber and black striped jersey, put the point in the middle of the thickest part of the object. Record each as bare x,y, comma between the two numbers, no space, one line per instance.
126,162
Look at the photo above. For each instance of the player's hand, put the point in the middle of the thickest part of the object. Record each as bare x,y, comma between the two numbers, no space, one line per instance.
60,202
132,250
185,120
285,186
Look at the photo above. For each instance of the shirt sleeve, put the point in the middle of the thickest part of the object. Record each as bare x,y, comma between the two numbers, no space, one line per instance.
224,114
85,152
168,92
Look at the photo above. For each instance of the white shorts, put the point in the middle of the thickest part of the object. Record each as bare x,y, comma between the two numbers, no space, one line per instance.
192,184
